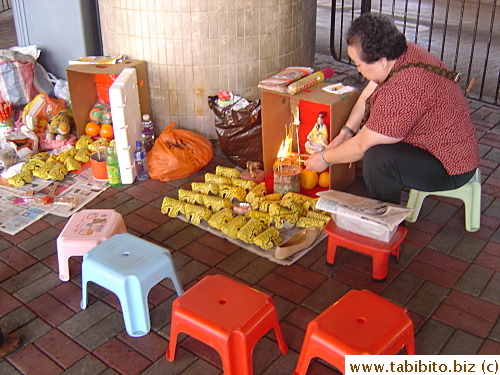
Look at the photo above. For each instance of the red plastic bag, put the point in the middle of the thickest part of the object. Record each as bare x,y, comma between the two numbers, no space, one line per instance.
178,153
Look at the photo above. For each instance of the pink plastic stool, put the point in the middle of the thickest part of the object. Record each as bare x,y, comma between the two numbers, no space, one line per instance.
228,316
378,250
359,323
84,231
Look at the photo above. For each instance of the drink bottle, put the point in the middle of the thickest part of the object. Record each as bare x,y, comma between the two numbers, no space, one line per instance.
147,132
141,165
113,169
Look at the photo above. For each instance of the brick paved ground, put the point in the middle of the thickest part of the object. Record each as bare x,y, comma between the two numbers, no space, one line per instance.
447,278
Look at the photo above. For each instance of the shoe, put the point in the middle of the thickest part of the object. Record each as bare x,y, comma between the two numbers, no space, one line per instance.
10,343
299,241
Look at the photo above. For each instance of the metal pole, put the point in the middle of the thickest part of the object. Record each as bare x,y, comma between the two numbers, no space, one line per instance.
366,6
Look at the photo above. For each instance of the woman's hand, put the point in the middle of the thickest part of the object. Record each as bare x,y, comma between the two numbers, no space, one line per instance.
314,163
348,151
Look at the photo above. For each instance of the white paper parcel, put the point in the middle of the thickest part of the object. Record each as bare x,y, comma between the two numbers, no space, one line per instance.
361,215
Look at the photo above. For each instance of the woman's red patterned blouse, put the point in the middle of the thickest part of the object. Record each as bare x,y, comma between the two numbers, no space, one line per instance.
426,110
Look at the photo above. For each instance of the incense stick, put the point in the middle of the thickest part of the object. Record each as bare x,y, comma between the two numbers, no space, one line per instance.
5,111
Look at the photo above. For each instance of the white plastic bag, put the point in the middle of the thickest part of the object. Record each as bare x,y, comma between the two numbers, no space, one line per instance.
8,157
61,89
25,143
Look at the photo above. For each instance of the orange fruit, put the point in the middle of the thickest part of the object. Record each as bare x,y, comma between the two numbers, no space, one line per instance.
324,179
92,129
308,179
107,131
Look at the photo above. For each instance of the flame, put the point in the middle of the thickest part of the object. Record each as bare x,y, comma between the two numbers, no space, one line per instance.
286,147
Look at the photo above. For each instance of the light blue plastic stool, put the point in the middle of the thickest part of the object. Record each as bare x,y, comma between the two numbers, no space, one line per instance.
129,267
470,194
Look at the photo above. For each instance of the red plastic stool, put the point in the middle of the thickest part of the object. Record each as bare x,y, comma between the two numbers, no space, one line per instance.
228,316
360,322
378,250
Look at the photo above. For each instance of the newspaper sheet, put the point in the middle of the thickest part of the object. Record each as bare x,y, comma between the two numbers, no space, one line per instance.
362,208
15,217
81,186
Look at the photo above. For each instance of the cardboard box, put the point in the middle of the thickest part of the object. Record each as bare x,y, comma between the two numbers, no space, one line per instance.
276,115
83,90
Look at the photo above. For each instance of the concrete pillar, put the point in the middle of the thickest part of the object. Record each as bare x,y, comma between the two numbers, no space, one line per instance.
193,48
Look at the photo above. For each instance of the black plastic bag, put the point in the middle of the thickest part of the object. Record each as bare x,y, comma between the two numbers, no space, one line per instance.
239,131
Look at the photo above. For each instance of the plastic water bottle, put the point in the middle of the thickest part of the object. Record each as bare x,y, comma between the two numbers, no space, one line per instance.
141,165
113,169
148,132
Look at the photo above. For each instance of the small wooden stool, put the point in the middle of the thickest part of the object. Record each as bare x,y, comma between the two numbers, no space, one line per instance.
228,316
360,322
378,250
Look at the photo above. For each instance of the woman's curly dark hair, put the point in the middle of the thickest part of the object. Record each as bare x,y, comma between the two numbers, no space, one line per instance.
377,36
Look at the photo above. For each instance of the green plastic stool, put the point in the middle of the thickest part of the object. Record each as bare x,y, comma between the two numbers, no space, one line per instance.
470,194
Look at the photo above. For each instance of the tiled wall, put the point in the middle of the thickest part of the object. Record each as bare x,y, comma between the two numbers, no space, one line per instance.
193,48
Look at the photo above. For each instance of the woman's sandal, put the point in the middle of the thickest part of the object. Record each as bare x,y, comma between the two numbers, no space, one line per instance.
10,343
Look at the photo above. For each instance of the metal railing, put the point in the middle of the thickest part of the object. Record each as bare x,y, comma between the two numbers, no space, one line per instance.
465,34
5,5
